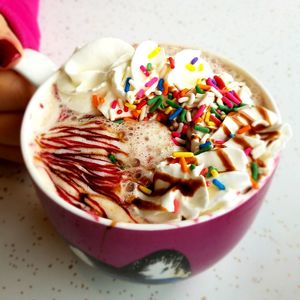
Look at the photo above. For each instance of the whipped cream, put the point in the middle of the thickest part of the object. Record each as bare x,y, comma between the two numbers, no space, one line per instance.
224,141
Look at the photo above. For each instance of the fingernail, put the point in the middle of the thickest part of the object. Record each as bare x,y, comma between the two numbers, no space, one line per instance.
8,53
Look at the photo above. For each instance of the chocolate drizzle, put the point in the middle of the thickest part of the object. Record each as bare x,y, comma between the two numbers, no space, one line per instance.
270,136
263,112
225,129
234,118
258,128
147,205
187,187
246,117
228,165
241,141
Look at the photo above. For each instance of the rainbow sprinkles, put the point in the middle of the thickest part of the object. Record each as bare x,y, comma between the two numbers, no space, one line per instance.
182,111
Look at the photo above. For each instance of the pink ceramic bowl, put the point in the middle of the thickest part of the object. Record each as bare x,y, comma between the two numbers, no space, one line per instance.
152,253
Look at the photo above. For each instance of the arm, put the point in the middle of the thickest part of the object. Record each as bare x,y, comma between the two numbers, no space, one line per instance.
21,15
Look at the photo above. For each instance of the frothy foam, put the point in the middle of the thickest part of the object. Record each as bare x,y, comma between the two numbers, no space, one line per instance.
147,144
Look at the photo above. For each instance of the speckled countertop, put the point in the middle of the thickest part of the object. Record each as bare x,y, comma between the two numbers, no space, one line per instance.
264,37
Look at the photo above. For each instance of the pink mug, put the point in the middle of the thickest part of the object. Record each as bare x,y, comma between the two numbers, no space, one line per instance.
142,252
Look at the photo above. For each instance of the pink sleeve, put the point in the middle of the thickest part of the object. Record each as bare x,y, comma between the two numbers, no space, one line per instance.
21,15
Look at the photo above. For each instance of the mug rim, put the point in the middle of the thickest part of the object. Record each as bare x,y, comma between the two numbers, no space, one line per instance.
141,226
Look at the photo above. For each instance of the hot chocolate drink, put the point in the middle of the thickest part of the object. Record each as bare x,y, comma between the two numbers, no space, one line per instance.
143,136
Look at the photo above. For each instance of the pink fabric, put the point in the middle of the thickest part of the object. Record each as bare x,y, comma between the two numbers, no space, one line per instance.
21,16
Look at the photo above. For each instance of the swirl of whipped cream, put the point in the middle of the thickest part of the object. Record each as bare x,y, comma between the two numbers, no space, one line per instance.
96,67
185,75
186,195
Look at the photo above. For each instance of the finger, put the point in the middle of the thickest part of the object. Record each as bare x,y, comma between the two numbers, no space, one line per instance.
10,46
9,54
11,153
10,125
15,91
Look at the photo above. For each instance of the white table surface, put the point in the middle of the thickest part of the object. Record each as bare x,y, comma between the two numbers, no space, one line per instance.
261,35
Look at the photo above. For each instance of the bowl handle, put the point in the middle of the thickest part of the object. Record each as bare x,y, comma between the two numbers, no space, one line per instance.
35,66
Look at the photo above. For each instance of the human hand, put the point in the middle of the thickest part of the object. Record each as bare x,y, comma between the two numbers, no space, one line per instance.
15,91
